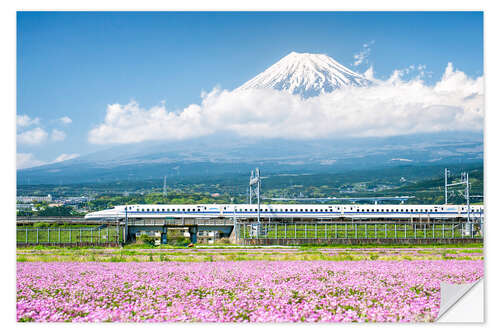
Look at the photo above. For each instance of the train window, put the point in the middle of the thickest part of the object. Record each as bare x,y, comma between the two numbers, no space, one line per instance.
306,210
436,210
183,209
301,210
362,210
245,209
357,210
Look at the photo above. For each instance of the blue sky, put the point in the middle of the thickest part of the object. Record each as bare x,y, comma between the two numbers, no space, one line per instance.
76,64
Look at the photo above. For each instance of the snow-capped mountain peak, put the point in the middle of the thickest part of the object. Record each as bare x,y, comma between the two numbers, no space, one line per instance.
306,74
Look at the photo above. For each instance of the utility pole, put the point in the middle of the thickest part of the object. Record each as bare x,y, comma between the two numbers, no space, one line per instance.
446,174
467,195
255,181
464,180
125,237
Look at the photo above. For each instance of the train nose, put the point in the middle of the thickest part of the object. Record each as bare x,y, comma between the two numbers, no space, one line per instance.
90,216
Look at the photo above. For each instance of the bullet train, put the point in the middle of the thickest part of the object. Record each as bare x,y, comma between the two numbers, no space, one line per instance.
325,211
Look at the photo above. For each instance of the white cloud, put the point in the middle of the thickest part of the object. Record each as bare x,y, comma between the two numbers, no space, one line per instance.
27,160
361,56
57,135
369,74
386,108
24,121
32,137
130,123
65,157
66,120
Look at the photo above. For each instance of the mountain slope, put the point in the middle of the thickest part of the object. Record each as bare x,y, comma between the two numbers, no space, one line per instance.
219,156
307,75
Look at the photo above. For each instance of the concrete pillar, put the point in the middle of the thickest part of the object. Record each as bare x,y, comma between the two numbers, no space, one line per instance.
164,238
193,231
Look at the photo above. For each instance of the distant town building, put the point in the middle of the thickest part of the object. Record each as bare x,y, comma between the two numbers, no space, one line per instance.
73,200
28,199
24,207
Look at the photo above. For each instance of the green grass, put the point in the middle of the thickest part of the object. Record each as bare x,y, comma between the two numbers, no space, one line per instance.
389,246
121,255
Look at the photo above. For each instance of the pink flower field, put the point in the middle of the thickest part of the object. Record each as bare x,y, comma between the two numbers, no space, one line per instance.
254,291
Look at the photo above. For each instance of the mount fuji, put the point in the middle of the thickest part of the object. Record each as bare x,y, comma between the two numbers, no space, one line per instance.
307,75
302,74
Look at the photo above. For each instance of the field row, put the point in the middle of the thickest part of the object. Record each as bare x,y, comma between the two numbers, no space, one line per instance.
193,255
259,291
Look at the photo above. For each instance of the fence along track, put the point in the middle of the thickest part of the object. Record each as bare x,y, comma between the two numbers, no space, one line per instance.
383,232
67,236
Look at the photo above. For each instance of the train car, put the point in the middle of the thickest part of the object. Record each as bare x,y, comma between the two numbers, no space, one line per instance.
287,211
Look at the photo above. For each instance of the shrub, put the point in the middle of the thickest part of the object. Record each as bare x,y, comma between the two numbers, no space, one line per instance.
41,225
146,239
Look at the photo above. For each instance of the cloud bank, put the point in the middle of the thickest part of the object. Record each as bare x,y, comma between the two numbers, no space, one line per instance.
386,108
28,160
